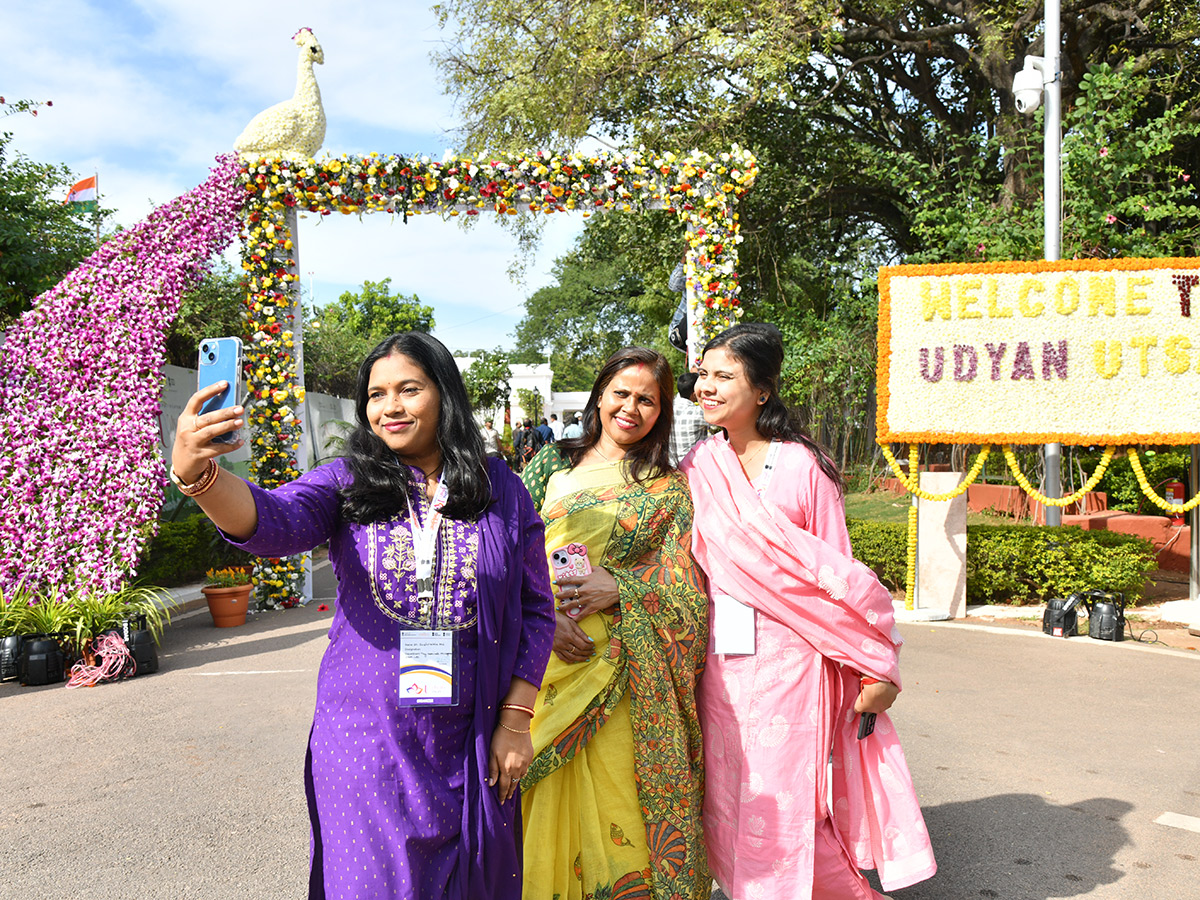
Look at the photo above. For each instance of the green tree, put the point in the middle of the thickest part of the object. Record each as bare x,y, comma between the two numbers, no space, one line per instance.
339,335
885,131
212,309
531,403
41,238
332,355
487,381
374,312
610,292
1124,191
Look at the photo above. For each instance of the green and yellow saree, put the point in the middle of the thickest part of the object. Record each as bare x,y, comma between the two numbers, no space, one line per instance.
612,802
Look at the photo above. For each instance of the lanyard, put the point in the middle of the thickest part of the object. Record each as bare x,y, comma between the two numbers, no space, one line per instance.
425,539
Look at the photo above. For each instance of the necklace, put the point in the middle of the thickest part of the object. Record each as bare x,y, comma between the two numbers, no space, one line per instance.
749,459
602,454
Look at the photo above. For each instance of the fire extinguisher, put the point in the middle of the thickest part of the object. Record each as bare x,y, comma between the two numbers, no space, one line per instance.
1173,492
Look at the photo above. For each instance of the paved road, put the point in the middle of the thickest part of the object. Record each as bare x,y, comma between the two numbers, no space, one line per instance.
1042,766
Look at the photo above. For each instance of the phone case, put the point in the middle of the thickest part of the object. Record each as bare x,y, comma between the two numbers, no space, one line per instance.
221,360
568,560
866,725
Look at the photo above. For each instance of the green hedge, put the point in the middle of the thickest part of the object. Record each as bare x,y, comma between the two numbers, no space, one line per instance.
184,550
1020,563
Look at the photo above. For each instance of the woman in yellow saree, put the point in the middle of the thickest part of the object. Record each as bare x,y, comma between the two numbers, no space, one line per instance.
612,801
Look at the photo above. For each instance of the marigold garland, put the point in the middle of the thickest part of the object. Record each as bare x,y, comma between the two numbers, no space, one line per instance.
1144,483
1015,467
910,587
911,481
702,189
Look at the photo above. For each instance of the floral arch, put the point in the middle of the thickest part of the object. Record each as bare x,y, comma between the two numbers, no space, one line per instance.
703,190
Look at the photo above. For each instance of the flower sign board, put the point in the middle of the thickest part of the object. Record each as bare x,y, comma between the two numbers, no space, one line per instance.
1098,352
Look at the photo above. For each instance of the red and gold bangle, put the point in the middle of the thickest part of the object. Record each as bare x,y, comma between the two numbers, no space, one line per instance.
206,480
524,709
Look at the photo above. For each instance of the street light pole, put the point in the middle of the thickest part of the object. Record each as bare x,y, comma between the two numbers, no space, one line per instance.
1052,202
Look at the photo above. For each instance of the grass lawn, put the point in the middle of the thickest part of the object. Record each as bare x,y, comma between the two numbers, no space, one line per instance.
884,506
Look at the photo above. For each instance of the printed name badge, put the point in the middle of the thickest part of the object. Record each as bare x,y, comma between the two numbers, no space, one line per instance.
731,629
428,668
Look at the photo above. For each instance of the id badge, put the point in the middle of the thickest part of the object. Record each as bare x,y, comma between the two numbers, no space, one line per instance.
731,629
428,668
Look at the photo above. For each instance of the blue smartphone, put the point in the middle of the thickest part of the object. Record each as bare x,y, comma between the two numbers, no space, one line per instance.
221,360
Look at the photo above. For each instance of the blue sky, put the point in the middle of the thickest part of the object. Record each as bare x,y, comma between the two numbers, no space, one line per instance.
148,93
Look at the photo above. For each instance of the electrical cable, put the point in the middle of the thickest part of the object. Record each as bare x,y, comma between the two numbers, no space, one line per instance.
115,661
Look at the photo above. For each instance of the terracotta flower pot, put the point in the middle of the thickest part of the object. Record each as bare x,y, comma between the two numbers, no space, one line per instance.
228,605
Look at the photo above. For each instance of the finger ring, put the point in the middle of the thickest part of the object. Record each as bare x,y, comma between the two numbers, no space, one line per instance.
576,594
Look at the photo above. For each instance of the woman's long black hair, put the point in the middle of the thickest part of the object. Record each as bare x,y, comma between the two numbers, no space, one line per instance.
759,348
381,482
648,457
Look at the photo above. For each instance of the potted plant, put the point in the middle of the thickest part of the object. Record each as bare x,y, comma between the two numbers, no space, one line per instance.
228,594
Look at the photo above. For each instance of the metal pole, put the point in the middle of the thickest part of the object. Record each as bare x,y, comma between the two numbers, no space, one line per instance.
1052,206
301,410
1194,568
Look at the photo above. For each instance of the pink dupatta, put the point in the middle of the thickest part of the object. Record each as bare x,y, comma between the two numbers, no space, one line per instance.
837,605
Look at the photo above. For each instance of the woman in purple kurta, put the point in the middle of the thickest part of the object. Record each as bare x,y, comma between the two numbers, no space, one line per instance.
410,802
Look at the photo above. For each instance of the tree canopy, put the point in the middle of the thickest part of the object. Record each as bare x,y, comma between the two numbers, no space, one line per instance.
487,381
611,292
41,238
339,335
885,132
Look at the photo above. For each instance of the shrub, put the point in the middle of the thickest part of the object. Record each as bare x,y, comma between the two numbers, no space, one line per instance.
882,547
183,551
1020,564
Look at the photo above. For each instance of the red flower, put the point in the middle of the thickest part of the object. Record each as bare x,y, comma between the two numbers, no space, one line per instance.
323,607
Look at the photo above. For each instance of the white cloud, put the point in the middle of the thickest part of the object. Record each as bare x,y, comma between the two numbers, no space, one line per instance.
148,94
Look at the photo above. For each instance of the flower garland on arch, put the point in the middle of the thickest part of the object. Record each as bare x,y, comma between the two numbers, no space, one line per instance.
703,190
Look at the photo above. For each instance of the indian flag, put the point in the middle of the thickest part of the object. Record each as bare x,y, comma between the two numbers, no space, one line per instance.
84,192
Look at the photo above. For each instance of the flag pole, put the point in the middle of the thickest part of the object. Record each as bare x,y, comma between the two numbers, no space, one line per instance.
96,210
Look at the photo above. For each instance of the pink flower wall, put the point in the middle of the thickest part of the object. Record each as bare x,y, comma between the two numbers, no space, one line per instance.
81,476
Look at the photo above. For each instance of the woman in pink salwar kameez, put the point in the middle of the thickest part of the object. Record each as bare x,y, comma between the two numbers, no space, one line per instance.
804,643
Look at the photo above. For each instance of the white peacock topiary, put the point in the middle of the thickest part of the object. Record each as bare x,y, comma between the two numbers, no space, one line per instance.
294,129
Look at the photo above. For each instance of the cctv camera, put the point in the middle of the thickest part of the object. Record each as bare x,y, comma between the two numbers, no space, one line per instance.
1027,89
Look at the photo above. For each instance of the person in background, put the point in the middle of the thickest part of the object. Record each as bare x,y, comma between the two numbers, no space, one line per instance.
612,800
805,643
518,440
556,428
545,432
530,443
575,428
491,440
677,331
688,427
439,555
